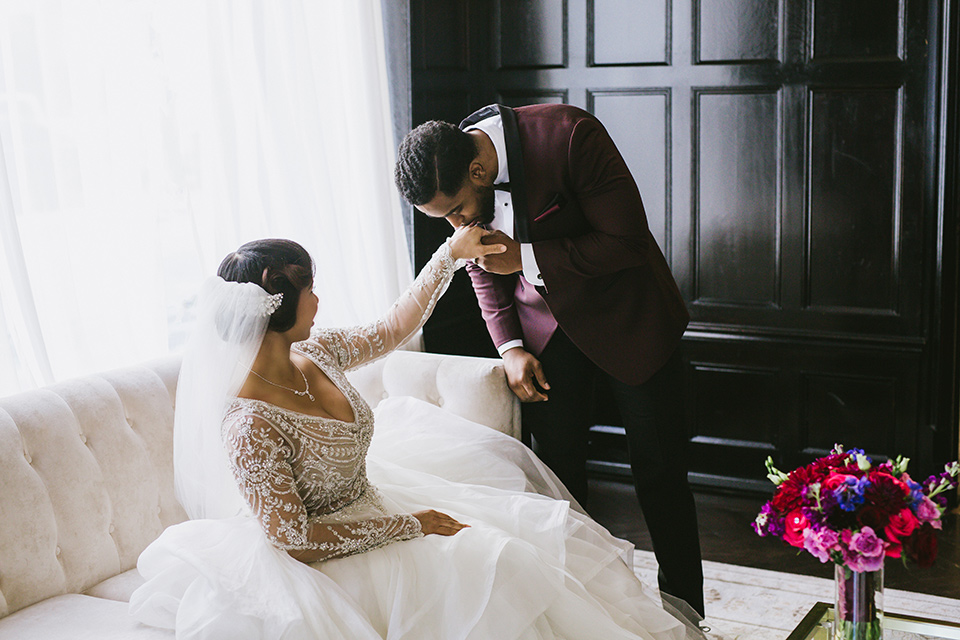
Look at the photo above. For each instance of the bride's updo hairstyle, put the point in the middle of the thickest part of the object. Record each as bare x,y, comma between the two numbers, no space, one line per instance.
278,266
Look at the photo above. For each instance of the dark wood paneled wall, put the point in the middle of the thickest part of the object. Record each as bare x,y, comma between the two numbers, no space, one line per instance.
791,159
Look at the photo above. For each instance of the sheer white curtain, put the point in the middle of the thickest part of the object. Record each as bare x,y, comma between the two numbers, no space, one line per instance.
143,140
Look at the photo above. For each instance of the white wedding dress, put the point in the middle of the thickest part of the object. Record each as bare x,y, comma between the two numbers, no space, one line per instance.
530,565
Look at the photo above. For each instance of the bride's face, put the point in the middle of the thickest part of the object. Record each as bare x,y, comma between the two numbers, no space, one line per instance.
306,312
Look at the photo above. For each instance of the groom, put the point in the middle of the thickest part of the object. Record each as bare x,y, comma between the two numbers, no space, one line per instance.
582,294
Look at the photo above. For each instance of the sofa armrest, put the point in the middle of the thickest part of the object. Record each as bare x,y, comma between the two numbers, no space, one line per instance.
473,388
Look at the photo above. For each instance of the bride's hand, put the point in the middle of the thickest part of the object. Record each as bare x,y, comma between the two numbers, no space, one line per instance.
466,243
440,523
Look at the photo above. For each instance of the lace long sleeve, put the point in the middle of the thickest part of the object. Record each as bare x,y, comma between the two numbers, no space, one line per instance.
355,346
259,456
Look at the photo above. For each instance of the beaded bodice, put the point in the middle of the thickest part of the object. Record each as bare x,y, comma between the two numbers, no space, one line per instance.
327,456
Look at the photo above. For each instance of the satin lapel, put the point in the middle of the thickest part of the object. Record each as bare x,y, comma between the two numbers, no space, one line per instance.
477,116
518,185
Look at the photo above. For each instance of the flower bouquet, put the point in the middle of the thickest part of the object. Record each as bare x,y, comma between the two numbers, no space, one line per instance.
843,508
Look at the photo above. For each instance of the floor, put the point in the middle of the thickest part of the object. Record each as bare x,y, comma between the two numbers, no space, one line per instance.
726,537
755,604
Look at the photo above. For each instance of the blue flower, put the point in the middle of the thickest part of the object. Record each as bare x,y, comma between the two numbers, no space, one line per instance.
849,495
916,492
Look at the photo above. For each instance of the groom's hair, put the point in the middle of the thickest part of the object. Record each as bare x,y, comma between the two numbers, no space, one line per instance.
278,266
433,157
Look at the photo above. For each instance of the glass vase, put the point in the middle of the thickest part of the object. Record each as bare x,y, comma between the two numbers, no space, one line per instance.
857,604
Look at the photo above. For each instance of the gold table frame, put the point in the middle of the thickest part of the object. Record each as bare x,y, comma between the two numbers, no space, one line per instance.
816,625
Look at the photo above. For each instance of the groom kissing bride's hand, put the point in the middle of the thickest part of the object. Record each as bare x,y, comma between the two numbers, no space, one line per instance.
505,262
473,242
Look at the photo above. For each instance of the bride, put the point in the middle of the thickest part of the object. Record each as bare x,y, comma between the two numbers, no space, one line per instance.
304,524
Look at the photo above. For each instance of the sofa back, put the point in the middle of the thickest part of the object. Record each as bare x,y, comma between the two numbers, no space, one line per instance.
86,479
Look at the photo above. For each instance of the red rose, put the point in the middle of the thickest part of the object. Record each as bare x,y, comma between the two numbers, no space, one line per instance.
922,546
833,481
901,525
893,550
794,526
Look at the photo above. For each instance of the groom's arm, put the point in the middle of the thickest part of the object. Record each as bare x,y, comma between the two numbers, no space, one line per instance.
495,297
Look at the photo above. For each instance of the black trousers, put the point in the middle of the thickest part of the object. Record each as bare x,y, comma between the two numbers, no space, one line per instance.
652,415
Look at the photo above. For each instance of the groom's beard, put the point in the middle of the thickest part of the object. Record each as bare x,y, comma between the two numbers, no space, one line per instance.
485,205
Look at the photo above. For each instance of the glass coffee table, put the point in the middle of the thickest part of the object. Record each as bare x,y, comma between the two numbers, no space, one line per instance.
816,625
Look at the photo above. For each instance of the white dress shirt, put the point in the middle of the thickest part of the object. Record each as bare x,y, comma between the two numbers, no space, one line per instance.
503,208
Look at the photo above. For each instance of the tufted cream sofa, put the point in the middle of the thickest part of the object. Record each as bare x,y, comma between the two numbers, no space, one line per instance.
86,482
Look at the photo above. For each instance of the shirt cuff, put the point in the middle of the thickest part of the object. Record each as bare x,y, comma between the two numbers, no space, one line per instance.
531,272
509,344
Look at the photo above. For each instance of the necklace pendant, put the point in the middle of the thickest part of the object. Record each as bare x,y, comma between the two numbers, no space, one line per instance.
304,393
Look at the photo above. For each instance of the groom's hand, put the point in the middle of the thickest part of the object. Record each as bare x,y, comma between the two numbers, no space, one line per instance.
525,375
503,263
470,242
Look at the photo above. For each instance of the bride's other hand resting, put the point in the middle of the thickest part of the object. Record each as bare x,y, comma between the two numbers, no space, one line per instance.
440,523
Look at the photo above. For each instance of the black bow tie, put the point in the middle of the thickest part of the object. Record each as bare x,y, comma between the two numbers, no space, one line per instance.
503,186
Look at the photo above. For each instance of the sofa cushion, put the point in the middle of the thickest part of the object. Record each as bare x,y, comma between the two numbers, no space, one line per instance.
77,617
473,388
120,587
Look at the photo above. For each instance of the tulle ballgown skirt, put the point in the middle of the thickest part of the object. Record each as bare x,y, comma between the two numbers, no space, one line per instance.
530,566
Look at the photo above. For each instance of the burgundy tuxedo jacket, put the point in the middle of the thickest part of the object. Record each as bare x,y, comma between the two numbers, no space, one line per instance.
606,282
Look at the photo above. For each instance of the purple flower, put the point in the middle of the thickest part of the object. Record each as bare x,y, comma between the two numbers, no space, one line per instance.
821,542
860,563
927,511
865,551
866,542
768,523
814,516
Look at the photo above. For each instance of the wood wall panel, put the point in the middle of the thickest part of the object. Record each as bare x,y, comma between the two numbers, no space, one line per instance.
639,123
737,162
441,105
735,416
443,40
628,32
857,29
854,209
734,405
530,34
738,30
858,411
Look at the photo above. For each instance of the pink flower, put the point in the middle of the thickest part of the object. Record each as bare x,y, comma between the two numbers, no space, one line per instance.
866,542
865,550
795,524
860,563
821,543
927,511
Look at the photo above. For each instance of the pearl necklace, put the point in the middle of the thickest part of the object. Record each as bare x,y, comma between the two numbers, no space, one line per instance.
305,392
